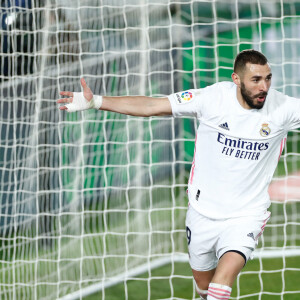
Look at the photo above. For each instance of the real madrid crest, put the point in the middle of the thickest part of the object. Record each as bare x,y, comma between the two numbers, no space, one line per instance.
265,130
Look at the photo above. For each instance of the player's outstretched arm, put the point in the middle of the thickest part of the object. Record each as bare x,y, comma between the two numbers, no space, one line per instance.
130,105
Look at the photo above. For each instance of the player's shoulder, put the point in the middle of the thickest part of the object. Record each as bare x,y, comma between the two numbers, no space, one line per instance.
214,98
282,109
216,92
208,95
276,95
210,89
277,99
219,86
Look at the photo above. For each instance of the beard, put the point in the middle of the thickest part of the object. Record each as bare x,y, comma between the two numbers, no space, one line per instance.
250,99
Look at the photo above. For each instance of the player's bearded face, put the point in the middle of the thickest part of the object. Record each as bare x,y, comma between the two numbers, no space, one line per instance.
250,98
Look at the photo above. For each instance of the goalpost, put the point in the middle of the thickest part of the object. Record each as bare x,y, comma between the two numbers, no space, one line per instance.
95,199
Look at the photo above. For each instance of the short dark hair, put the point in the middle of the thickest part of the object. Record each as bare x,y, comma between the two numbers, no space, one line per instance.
248,56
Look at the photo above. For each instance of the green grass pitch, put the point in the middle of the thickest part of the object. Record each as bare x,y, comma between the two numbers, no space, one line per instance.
252,283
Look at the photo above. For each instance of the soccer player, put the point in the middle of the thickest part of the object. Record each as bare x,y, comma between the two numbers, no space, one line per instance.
242,131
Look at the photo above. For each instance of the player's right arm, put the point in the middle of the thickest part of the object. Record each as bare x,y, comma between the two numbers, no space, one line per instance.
140,106
130,105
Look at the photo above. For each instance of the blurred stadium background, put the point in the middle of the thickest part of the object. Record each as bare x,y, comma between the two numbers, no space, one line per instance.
93,204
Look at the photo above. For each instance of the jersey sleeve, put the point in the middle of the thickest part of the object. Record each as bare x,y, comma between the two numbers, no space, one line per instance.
292,113
186,103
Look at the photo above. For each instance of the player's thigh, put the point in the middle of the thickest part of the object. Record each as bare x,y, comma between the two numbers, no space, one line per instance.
241,235
229,266
201,238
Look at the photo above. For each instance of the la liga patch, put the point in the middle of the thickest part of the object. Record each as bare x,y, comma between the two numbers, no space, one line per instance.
184,97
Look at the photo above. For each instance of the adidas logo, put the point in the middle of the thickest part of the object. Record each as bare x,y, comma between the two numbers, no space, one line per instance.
251,235
224,126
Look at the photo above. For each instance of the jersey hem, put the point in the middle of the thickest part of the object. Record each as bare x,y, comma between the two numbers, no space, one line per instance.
250,213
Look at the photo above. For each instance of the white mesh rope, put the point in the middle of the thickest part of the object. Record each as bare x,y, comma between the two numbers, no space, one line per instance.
95,199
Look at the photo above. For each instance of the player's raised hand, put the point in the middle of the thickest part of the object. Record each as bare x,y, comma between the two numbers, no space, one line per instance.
80,101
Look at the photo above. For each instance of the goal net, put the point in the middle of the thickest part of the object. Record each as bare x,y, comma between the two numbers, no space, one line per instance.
92,200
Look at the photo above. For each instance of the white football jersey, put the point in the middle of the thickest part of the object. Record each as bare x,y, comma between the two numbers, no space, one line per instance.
236,149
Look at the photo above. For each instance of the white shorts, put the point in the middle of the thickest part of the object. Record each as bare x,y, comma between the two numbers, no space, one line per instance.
208,239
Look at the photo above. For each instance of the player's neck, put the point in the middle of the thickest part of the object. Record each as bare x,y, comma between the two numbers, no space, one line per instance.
241,99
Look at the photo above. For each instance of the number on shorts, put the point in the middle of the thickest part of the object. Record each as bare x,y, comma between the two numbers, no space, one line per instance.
188,235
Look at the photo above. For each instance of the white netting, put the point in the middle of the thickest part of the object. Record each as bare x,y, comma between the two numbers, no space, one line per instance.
93,199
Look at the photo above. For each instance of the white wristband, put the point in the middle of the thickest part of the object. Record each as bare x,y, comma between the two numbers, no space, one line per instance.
97,102
80,103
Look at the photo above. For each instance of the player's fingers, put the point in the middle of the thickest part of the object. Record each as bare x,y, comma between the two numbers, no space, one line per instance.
83,82
66,93
88,94
65,100
61,100
63,108
84,85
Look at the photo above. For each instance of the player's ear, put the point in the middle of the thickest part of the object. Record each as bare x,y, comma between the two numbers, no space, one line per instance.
236,78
